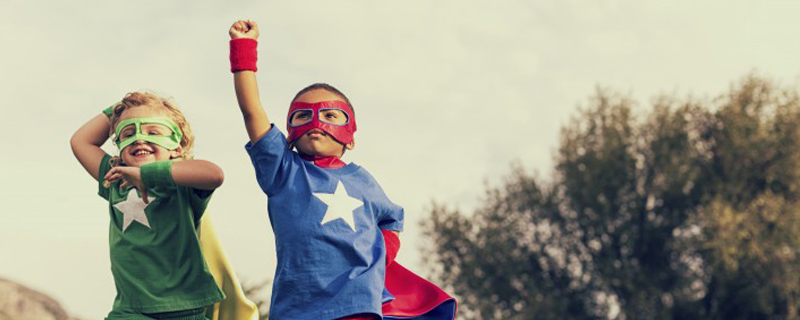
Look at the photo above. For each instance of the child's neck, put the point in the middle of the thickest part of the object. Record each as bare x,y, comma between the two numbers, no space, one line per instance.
331,162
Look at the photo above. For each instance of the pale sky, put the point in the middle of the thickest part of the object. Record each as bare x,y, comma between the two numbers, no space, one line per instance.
448,94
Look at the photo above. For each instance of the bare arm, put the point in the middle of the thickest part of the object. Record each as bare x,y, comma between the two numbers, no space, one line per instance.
199,174
255,119
86,143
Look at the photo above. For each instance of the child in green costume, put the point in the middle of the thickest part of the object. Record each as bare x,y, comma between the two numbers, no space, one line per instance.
156,196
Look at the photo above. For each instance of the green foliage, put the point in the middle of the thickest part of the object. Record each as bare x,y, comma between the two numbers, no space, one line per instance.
756,264
691,212
499,263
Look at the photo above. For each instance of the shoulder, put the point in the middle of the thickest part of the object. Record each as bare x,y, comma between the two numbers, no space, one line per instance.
271,139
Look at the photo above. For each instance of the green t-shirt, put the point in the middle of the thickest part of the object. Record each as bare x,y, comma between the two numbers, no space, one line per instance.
155,252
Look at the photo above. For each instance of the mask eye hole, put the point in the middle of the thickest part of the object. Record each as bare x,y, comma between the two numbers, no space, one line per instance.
300,117
127,132
334,116
154,129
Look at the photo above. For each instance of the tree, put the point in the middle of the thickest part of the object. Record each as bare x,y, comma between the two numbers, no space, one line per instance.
506,266
632,223
750,223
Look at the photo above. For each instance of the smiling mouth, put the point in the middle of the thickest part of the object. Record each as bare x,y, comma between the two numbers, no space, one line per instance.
141,153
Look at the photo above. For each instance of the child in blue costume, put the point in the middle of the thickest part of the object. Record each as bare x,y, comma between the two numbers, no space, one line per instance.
156,197
336,231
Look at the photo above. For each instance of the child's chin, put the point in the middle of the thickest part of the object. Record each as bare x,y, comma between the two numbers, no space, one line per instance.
140,162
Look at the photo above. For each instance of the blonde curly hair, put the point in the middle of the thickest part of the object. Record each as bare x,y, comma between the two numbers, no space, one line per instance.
137,99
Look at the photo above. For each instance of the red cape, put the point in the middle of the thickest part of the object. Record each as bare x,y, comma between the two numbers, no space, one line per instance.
415,297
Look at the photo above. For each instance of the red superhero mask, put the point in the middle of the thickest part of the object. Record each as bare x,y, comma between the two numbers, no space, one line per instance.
314,116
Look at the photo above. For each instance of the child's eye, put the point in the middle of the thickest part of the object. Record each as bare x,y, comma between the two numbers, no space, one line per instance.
157,130
333,116
301,115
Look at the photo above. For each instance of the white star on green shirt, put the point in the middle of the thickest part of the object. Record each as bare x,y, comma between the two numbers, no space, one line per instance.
133,210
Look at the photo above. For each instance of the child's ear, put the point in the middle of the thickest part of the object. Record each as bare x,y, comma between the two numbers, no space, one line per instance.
177,153
351,145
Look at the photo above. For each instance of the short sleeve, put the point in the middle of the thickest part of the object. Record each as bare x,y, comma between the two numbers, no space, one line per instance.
392,218
104,167
198,200
271,159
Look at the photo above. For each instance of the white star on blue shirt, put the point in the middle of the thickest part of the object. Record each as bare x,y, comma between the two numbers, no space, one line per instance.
340,206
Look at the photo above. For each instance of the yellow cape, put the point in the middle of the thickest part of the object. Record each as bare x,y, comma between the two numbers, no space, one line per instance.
235,306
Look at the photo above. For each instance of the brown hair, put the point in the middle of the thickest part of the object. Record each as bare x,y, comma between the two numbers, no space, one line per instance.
326,87
136,99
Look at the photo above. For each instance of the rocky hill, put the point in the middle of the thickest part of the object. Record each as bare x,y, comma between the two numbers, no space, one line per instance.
18,302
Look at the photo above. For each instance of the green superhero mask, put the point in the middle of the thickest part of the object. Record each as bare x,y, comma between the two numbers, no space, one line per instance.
170,142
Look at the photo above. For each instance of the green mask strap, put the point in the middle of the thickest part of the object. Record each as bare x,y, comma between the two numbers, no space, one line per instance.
170,142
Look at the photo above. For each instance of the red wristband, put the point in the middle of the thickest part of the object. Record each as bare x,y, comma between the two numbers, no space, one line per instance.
392,245
244,54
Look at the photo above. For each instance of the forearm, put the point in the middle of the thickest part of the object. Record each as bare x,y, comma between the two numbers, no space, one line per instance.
86,143
255,119
199,174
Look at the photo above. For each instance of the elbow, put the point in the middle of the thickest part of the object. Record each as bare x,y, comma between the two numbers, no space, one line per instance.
74,143
250,117
219,179
247,115
216,177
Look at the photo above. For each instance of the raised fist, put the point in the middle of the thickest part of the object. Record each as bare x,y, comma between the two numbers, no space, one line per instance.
244,29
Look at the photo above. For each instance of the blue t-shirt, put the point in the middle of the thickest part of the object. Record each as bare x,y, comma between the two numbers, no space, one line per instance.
327,224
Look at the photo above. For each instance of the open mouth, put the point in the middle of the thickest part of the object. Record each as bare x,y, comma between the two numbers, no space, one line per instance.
141,153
